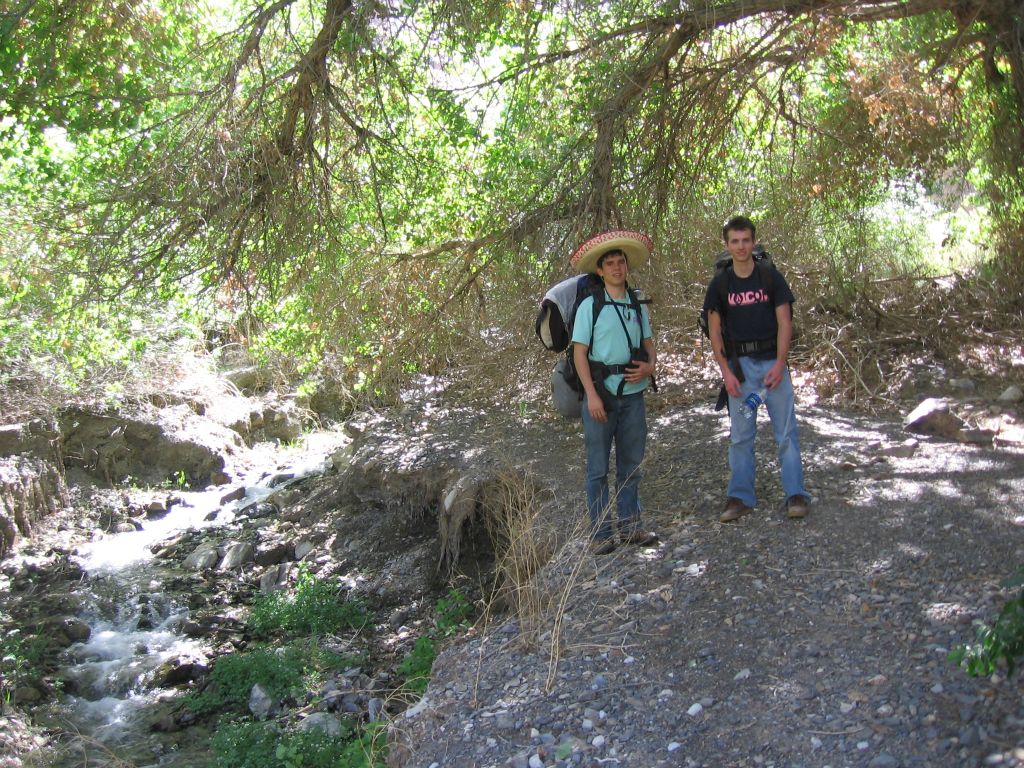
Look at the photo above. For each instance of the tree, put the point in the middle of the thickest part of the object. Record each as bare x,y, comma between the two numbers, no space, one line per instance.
358,170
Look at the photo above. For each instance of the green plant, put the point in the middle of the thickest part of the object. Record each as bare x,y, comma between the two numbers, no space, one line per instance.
233,677
248,744
315,608
20,660
453,612
417,664
245,744
277,670
1002,641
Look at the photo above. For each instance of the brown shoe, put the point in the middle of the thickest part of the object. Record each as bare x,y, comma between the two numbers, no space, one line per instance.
734,509
796,507
602,546
641,538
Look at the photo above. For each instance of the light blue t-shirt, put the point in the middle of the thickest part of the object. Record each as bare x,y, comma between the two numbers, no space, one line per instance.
608,343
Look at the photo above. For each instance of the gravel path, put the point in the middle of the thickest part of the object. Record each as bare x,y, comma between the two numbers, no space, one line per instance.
766,642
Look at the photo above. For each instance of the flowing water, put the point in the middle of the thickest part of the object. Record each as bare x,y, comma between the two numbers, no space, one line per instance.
136,608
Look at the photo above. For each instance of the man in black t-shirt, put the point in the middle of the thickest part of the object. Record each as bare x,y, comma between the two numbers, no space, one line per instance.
750,337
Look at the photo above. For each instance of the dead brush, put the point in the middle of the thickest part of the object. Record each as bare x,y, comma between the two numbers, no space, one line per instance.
518,518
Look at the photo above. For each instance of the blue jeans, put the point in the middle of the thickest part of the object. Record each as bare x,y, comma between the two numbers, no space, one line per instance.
782,412
627,426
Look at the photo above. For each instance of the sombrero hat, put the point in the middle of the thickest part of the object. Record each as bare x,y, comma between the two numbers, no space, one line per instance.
636,245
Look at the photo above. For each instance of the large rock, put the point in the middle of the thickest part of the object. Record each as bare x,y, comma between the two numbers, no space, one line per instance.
205,556
30,489
34,438
236,555
933,417
181,446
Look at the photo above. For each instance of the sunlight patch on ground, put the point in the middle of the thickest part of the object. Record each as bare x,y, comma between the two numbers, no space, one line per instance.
947,613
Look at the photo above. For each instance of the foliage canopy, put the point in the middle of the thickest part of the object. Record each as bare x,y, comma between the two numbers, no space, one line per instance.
365,184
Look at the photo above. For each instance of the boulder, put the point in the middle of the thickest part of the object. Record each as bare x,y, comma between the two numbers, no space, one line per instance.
273,553
1011,394
237,555
115,448
327,724
933,417
261,705
34,438
275,577
30,489
203,557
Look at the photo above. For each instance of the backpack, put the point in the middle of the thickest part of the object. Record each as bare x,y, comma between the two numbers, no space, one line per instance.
554,326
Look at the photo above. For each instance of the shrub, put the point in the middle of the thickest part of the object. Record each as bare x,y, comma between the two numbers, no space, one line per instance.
233,677
417,664
1003,641
315,608
248,744
453,613
278,671
21,659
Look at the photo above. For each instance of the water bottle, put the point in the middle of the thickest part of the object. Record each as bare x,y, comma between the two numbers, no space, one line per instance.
752,401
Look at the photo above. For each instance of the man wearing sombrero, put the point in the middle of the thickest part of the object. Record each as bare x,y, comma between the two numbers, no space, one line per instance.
615,360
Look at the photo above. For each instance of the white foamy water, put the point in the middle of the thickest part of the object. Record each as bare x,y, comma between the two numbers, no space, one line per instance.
136,621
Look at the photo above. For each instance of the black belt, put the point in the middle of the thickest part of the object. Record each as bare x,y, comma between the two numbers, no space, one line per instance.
760,346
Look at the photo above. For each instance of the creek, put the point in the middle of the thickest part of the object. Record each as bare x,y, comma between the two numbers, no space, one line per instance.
136,607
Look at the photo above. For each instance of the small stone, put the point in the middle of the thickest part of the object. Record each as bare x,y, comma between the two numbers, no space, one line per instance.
598,741
1011,394
695,710
816,742
847,707
673,746
743,674
536,761
883,760
666,693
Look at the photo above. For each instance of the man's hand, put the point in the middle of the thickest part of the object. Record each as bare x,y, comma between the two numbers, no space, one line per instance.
596,407
732,384
774,375
638,370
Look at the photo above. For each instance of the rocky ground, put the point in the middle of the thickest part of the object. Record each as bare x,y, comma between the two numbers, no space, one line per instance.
766,642
771,642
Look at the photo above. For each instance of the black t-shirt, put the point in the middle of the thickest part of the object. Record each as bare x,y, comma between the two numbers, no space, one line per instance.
750,315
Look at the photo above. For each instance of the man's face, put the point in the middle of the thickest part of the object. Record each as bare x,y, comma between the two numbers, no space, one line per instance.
614,268
740,244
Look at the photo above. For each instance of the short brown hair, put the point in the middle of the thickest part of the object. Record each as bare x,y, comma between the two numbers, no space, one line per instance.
738,224
601,258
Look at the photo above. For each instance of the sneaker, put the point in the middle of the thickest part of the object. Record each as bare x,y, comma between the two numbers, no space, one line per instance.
734,509
602,546
641,538
796,507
